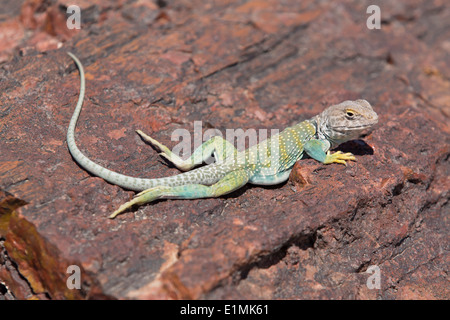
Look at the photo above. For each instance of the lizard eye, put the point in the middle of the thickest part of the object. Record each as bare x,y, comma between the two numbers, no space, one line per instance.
350,114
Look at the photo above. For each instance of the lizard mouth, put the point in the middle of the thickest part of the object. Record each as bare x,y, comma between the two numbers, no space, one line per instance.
367,126
344,129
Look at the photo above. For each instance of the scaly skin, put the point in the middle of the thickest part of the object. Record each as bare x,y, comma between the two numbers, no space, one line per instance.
268,163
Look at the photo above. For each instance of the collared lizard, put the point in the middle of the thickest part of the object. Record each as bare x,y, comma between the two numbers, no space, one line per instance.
267,163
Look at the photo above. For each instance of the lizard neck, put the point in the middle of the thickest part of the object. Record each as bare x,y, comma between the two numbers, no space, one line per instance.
322,130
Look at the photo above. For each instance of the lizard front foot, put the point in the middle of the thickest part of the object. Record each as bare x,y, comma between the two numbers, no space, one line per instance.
338,157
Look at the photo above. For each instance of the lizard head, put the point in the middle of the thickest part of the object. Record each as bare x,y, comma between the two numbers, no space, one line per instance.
346,121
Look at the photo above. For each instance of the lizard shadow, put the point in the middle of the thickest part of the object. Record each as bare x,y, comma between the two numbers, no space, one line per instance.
358,147
242,190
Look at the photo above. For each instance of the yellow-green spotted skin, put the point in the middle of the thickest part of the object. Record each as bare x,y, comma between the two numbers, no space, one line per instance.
267,163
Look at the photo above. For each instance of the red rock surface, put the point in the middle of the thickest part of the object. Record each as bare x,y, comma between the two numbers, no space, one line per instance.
160,66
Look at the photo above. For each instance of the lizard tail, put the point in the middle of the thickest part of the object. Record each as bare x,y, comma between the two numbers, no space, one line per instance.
126,182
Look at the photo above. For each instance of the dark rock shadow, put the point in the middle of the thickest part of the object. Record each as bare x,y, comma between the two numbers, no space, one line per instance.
357,147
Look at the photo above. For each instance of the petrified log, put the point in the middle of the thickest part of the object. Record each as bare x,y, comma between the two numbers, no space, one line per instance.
161,66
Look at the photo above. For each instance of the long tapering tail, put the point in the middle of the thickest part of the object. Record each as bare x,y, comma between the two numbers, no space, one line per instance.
127,182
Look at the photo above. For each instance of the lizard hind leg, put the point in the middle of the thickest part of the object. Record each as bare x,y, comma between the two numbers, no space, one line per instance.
221,148
230,182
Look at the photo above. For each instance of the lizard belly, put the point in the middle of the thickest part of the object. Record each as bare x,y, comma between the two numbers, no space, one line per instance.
270,179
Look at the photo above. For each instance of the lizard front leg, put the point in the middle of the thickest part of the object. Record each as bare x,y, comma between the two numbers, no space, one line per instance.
316,149
217,146
230,182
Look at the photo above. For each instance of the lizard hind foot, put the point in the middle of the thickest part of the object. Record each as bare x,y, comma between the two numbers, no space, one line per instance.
141,198
153,142
166,153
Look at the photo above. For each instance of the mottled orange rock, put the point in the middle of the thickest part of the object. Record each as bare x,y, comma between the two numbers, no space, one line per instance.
161,66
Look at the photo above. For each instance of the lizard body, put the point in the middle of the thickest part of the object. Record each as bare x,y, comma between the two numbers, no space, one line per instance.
267,163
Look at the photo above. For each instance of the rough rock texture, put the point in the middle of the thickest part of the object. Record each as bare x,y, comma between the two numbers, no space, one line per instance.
161,65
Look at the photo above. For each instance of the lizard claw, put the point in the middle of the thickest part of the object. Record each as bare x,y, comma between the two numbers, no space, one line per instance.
339,157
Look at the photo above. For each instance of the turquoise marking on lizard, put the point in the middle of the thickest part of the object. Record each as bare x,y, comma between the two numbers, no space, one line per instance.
267,163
